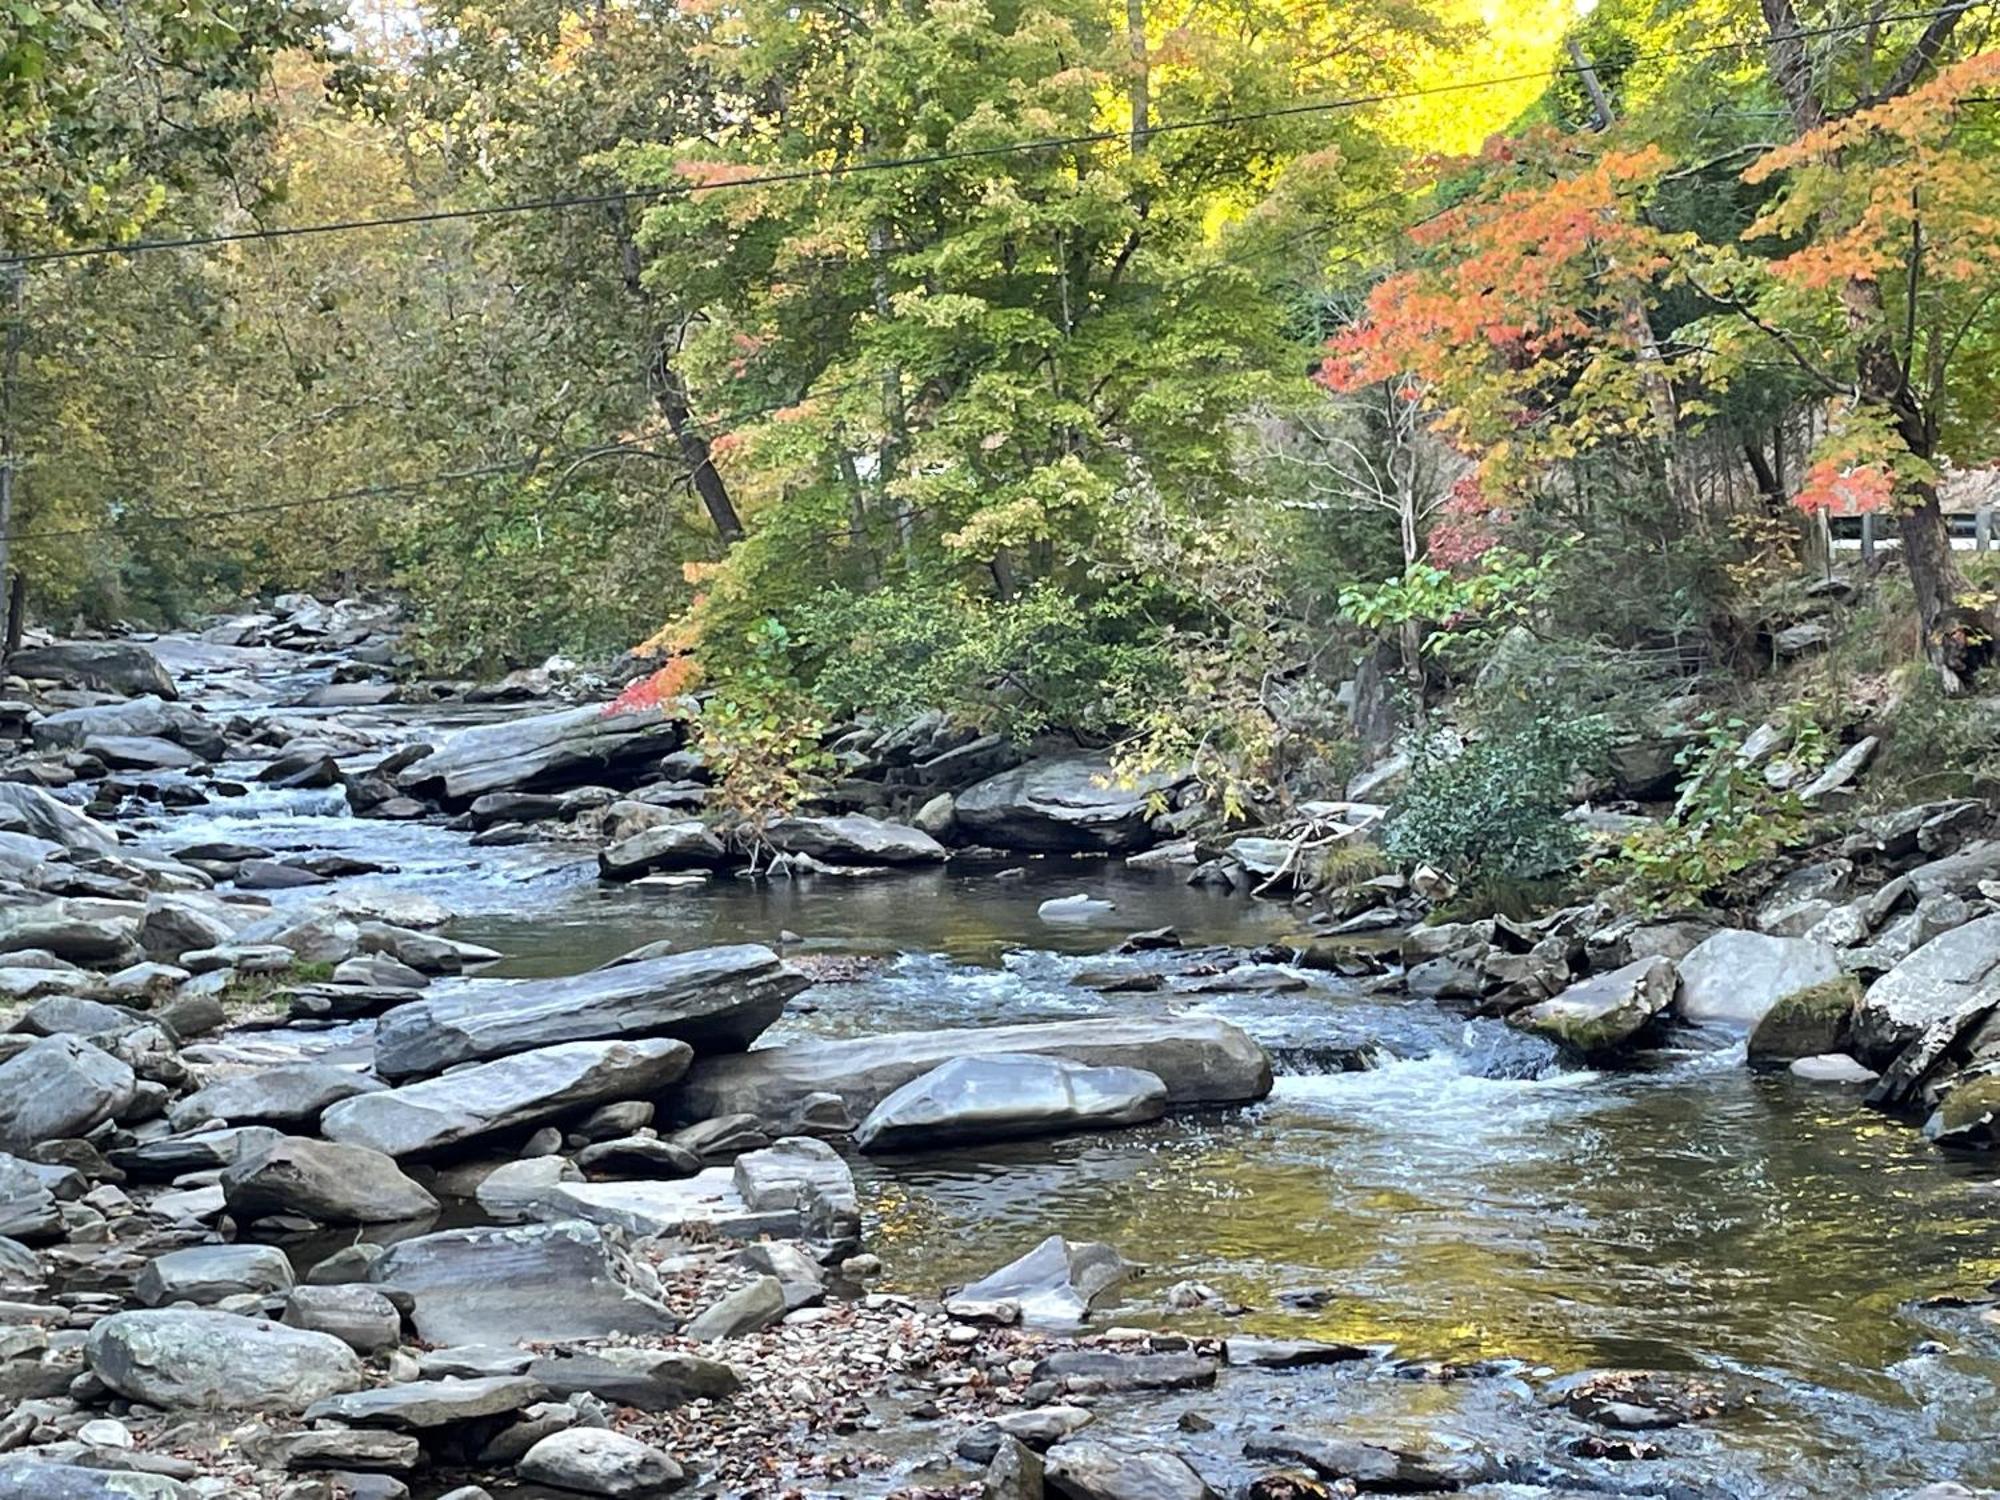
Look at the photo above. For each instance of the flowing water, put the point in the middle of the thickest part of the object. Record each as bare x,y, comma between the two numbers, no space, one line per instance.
1468,1197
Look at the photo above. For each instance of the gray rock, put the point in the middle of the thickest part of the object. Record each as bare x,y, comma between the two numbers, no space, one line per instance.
1004,1096
1732,979
806,1176
289,1094
747,1309
1367,1466
517,1190
24,1477
803,1280
175,1360
541,752
647,1379
203,1151
419,1405
1201,1061
1948,982
148,716
1604,1014
854,840
359,1316
500,1095
1289,1354
1054,1284
333,1182
1832,1067
343,1449
122,667
1084,1470
714,999
596,1461
1957,874
1068,804
683,844
205,1274
78,930
71,1015
1112,1370
26,809
541,1283
140,752
57,1088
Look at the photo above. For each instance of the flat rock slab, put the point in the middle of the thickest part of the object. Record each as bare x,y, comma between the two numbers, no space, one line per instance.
26,1478
57,1088
541,752
854,840
541,1283
1006,1096
422,1404
334,1182
1113,1371
281,1095
510,1091
705,1204
714,999
1200,1060
1073,803
103,666
176,1359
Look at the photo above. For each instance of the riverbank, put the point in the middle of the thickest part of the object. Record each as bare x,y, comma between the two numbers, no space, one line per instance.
1459,1217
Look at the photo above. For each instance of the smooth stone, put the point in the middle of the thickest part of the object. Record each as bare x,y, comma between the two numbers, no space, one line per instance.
1734,977
1055,1283
595,1461
334,1182
1005,1096
177,1359
57,1088
422,1404
206,1274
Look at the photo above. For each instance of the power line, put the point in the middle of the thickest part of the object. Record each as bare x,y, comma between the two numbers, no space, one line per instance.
975,153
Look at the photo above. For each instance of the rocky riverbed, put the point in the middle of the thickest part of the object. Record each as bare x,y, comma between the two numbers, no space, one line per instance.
404,1090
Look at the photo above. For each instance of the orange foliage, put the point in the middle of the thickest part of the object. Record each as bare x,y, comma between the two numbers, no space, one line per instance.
1850,491
659,689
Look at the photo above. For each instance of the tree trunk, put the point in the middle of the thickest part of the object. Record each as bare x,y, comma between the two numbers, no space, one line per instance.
10,367
670,395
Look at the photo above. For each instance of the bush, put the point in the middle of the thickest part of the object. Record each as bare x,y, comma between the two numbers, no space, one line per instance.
1492,811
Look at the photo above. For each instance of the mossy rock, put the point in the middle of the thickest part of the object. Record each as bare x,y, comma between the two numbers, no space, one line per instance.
1807,1023
1968,1115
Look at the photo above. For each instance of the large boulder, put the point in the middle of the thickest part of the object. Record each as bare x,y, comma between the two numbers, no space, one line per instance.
1087,1470
149,717
1603,1015
1730,980
540,1283
1008,1095
57,1088
25,1477
714,999
175,1359
1812,1022
334,1182
1069,804
542,752
30,810
205,1274
508,1092
122,667
854,840
1054,1284
1951,981
1200,1060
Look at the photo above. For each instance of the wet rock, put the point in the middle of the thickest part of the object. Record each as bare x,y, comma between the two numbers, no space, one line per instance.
595,1461
1966,1116
1070,804
542,1282
1005,1096
122,667
807,1177
682,844
647,1379
359,1316
1948,982
541,752
206,1274
854,840
1290,1354
172,928
747,1309
149,716
419,1118
1603,1015
1807,1023
333,1182
714,999
1037,1428
1053,1284
289,1094
138,752
1367,1466
1111,1370
179,1359
419,1405
1731,980
1085,1470
1201,1061
59,1087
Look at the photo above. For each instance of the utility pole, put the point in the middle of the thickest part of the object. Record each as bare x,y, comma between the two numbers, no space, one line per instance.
15,295
1600,102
